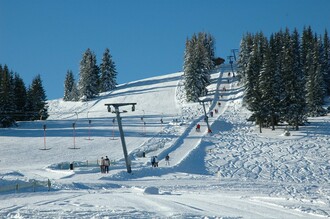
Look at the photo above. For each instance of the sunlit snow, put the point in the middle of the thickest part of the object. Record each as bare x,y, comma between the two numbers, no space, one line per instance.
233,172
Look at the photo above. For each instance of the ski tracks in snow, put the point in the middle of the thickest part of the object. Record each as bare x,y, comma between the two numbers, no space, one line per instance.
298,167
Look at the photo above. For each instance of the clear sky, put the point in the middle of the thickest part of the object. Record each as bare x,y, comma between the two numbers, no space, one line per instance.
145,37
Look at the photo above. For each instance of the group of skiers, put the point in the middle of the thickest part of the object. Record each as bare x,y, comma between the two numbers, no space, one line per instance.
104,164
154,161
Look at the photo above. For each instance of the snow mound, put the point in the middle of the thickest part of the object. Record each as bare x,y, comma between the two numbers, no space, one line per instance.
151,190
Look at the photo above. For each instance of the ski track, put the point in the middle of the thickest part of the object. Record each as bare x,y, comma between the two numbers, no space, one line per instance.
293,167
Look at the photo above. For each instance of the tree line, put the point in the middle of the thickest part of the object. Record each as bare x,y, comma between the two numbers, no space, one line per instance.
93,79
21,103
286,77
198,62
18,102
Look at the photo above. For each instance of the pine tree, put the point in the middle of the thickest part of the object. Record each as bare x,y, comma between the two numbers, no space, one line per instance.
252,85
307,43
326,61
88,85
244,56
198,62
190,75
207,41
315,81
19,97
293,102
36,100
268,87
70,89
275,45
7,106
108,73
203,65
298,113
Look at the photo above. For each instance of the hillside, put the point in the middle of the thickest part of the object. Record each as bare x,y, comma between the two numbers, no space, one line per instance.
234,172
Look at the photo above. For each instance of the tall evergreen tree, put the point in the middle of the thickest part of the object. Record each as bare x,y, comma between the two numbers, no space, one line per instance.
70,88
269,87
297,94
190,69
326,61
7,106
19,97
315,82
307,43
293,102
197,65
36,100
88,84
108,72
252,85
207,42
244,56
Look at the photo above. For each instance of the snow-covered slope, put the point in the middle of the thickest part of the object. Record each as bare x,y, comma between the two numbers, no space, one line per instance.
234,172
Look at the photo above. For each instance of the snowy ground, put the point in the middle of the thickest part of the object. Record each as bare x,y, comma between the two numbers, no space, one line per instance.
235,172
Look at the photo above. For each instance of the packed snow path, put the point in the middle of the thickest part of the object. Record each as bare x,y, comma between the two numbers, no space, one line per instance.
191,138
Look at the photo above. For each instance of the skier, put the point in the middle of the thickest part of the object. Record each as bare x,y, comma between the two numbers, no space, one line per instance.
106,164
152,161
156,161
198,127
102,165
167,159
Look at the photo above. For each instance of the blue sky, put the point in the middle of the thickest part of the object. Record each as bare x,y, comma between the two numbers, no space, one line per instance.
145,37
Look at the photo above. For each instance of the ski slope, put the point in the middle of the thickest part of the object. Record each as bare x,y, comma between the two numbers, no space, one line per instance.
233,172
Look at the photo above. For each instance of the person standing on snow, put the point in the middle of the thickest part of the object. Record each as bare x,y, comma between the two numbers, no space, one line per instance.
102,165
106,164
198,127
152,160
167,160
156,161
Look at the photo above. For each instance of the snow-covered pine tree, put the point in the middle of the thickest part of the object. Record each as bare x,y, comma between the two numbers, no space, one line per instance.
278,55
252,87
268,87
208,42
190,69
326,60
293,102
108,72
203,60
275,44
307,42
315,89
36,100
19,97
69,87
198,62
297,94
88,85
244,56
7,105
